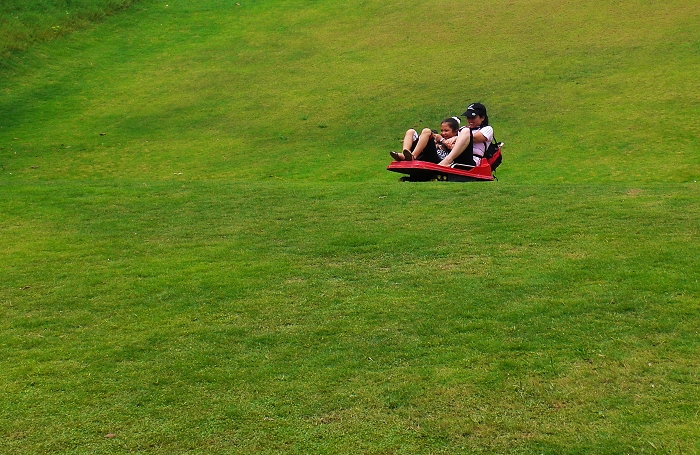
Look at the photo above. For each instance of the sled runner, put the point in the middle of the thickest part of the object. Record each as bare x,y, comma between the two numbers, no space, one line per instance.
423,171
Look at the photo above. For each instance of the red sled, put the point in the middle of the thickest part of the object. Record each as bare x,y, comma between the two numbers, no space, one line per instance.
423,171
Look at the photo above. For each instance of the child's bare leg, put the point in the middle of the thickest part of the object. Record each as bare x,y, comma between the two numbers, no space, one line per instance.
408,139
423,139
407,144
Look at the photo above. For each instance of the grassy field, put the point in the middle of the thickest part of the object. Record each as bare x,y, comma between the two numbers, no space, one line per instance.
201,250
26,23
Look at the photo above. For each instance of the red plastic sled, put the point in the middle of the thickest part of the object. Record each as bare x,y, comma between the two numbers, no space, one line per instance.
423,171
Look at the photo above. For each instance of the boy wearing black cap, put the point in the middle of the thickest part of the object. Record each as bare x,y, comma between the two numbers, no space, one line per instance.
473,141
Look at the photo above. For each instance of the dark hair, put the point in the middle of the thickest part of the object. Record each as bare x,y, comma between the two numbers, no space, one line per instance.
452,123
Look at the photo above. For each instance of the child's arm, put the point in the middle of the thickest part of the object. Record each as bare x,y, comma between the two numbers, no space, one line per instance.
449,143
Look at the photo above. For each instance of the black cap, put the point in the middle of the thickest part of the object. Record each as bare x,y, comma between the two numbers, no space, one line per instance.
475,109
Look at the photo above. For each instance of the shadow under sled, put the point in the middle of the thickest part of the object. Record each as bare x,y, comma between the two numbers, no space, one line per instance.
423,171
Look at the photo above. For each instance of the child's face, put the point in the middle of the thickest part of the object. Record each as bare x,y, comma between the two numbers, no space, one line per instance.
446,131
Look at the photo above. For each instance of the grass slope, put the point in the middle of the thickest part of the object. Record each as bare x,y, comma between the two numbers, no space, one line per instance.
228,268
24,23
310,83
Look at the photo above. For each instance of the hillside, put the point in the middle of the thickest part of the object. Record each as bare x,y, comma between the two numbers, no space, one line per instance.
201,250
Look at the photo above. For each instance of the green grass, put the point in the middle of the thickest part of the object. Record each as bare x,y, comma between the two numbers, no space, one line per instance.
25,23
197,80
183,321
228,267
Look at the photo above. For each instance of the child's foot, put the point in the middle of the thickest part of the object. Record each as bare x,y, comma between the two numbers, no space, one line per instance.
396,156
407,155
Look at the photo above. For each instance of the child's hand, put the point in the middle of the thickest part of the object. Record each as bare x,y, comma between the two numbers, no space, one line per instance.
438,138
